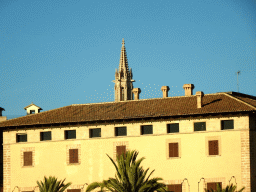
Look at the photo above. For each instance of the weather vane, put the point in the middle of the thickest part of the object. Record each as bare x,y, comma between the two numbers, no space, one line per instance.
238,72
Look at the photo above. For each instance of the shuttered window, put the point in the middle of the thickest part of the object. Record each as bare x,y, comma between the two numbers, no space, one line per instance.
200,126
21,138
27,158
120,131
173,150
95,132
70,134
146,129
73,155
213,185
213,147
45,136
173,128
174,188
227,124
120,150
74,190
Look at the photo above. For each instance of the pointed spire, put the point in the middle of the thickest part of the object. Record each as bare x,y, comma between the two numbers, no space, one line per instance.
123,59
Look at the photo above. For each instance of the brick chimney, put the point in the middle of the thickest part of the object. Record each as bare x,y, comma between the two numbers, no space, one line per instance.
136,92
199,95
188,89
165,90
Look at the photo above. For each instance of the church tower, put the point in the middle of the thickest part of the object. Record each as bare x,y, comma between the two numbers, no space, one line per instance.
123,78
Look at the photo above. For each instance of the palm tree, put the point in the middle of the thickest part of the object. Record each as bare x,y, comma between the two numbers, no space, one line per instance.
130,176
51,185
229,188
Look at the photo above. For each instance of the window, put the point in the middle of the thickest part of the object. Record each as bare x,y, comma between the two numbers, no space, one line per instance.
74,190
120,131
45,136
146,129
200,126
213,147
21,137
27,158
120,150
95,132
174,188
173,128
213,185
173,150
73,155
227,124
32,111
70,134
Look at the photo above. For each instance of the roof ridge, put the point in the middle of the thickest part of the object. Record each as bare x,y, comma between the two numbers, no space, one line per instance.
239,100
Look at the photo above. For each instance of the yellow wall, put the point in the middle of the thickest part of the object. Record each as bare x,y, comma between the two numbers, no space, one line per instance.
50,157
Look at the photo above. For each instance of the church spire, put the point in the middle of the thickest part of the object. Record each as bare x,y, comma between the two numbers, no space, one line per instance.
123,64
123,78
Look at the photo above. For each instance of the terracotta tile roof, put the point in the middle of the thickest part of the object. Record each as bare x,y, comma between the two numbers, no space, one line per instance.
146,108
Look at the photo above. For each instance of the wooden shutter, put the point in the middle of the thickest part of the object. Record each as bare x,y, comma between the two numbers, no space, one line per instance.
73,155
120,150
213,147
27,158
173,150
74,190
175,188
213,185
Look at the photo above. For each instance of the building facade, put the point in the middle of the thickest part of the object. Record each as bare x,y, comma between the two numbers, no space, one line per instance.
193,141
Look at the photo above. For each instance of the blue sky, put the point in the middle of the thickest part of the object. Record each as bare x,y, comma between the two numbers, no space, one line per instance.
56,53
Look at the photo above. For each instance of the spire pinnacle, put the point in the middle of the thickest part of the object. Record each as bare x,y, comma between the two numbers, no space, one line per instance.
123,65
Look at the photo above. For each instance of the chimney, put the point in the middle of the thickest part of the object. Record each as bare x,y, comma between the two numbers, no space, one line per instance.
199,95
188,89
136,92
2,118
165,90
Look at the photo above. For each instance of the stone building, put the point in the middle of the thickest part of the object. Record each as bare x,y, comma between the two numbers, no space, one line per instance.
192,141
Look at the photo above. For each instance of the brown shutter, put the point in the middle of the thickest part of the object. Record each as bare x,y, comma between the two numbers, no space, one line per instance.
176,150
178,188
173,150
213,147
120,150
73,155
27,158
74,190
213,185
174,188
170,188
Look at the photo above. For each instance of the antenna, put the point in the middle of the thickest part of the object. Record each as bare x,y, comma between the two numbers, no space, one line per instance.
238,72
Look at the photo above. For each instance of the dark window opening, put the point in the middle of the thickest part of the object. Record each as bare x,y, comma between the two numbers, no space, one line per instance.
146,129
32,111
200,126
227,124
21,138
120,131
95,132
173,128
70,134
45,136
